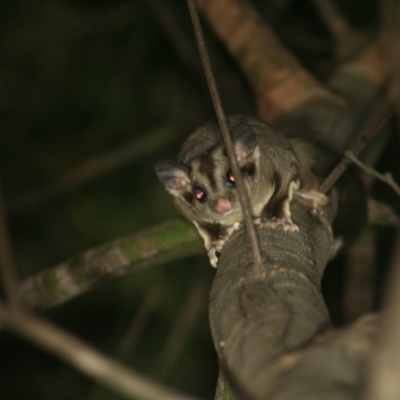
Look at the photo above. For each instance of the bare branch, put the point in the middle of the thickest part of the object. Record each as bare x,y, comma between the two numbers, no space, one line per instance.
94,168
271,329
383,381
170,241
347,40
181,329
359,293
333,19
271,70
7,260
380,213
140,320
83,357
356,149
390,14
386,177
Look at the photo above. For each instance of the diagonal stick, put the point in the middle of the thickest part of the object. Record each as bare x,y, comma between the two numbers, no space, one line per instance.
356,149
7,261
242,192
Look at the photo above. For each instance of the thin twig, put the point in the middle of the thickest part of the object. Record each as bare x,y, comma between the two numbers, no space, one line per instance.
386,177
383,381
140,320
380,213
94,168
7,261
347,40
180,332
81,356
358,147
242,192
359,279
168,19
278,80
333,18
390,14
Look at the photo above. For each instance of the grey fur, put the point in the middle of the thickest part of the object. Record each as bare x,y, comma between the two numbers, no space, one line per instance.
272,165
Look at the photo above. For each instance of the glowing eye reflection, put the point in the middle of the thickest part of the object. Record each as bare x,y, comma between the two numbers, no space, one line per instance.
230,178
200,194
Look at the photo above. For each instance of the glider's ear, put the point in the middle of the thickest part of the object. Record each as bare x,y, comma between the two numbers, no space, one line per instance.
172,175
244,142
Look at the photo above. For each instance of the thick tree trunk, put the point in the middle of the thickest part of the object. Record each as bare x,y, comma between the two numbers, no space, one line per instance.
271,327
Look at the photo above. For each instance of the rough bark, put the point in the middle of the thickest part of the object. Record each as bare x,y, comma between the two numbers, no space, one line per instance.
269,67
271,327
54,286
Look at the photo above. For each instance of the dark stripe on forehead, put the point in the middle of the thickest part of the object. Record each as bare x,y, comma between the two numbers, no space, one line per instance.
207,168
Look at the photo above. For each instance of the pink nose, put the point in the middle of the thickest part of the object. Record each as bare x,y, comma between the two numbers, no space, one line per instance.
223,206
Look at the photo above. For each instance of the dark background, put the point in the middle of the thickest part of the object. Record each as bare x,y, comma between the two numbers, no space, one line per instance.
79,81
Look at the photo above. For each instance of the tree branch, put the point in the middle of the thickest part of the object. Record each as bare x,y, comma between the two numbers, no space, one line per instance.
270,329
358,147
387,177
84,358
347,40
93,168
8,265
383,382
169,241
271,70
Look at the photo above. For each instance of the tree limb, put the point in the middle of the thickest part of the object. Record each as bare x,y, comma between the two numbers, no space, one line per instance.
53,286
84,358
267,326
271,70
8,266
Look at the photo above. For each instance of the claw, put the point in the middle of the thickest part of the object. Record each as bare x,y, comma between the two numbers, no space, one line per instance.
218,245
258,221
286,223
213,257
